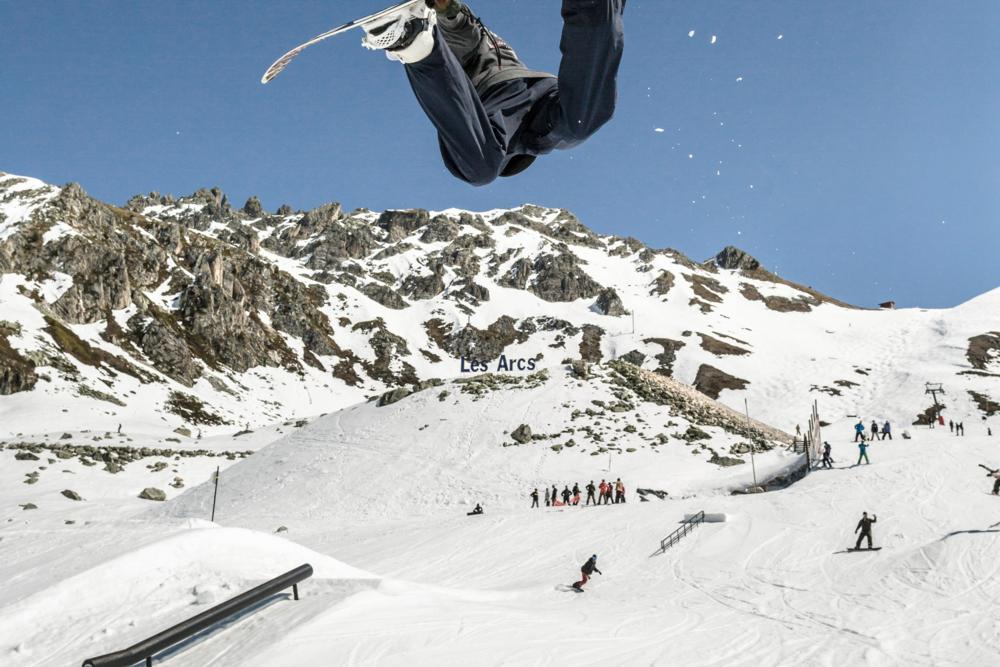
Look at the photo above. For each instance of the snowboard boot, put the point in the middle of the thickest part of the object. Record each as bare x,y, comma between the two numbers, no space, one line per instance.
406,36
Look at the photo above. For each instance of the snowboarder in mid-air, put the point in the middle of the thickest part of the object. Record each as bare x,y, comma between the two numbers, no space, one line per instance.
588,569
493,115
865,526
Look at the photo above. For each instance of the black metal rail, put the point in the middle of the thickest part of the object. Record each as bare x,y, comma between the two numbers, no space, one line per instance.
686,527
146,649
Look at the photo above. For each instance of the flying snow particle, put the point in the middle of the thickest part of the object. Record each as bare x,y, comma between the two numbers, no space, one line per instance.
739,79
781,36
691,33
712,40
718,173
659,129
690,156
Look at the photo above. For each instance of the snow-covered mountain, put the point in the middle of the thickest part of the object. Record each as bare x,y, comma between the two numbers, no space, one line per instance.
362,378
189,314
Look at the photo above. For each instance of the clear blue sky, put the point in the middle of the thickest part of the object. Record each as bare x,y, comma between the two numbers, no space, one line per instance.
860,152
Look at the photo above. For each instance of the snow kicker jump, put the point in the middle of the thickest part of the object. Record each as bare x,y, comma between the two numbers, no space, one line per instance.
494,116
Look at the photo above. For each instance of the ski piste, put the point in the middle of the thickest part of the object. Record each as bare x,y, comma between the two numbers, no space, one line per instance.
281,63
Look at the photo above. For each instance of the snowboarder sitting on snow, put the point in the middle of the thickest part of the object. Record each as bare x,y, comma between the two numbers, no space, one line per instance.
827,461
493,115
863,449
588,569
478,509
865,526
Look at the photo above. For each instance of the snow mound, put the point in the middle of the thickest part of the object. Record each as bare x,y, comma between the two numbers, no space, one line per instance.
116,600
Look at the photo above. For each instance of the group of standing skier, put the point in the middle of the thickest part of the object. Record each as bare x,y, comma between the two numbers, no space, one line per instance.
885,431
607,493
958,428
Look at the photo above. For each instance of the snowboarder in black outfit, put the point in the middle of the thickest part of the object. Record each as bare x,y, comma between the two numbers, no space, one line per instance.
874,430
477,510
566,495
886,430
951,426
546,496
996,475
827,461
590,493
555,495
865,526
493,115
534,498
576,489
586,570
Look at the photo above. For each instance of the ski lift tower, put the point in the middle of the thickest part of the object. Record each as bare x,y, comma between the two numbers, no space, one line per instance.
934,388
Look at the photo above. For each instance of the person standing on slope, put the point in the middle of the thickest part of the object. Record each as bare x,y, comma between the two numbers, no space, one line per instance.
565,495
555,495
863,449
493,115
590,493
996,485
588,568
619,491
859,431
886,430
865,526
874,430
827,461
534,498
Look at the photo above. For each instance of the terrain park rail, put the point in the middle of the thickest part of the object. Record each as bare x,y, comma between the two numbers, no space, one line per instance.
146,649
686,527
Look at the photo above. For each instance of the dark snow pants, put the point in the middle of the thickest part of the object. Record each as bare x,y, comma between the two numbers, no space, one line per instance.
590,498
522,118
863,536
996,487
827,461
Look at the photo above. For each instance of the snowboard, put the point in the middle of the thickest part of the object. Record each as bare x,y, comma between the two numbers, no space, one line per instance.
281,63
850,550
568,588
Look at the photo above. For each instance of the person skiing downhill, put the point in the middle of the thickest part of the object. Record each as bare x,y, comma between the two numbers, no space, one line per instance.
865,526
493,115
586,570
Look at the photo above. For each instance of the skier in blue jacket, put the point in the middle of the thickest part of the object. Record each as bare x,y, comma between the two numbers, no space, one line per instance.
859,431
493,115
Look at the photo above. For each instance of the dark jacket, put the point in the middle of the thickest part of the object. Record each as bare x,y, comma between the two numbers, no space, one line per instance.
485,56
865,525
590,566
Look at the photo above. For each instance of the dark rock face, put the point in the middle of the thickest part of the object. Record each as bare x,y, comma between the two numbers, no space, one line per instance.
400,224
16,372
477,344
559,278
720,348
590,344
668,356
609,303
711,381
800,304
984,350
662,284
733,258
